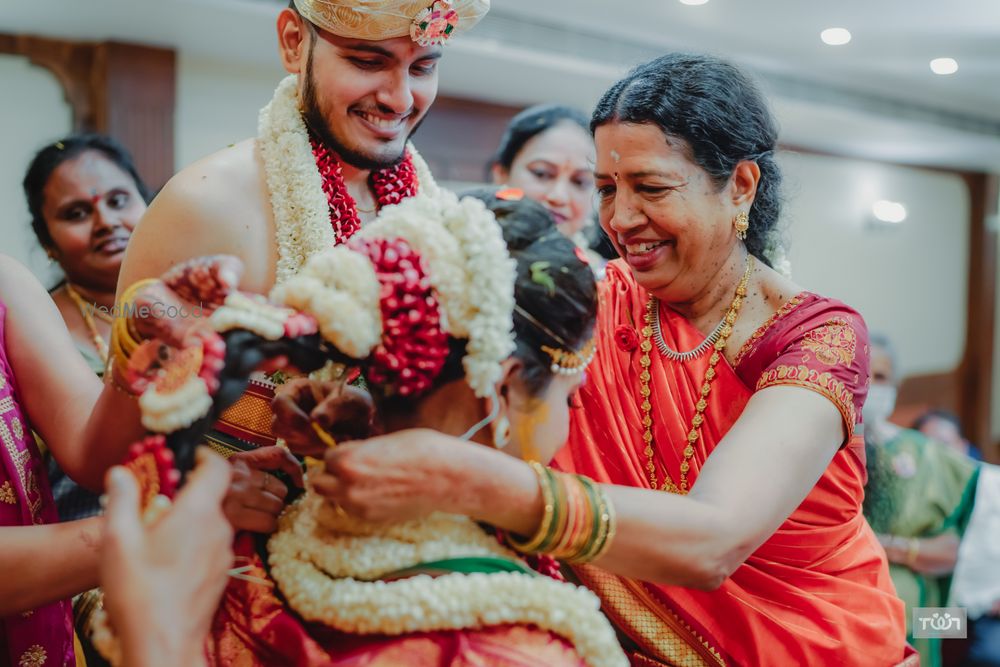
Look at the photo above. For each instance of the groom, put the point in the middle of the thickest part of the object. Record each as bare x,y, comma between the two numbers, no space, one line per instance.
332,148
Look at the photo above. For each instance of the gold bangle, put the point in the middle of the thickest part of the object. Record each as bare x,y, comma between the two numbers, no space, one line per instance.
604,524
611,520
113,377
123,328
598,527
549,512
579,516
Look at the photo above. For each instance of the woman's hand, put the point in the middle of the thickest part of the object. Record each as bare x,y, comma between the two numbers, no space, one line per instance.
344,411
404,475
162,583
256,497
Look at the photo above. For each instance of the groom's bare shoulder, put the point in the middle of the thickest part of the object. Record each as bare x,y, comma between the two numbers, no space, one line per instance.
218,205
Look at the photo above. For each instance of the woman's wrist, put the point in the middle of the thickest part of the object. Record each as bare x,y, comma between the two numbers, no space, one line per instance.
155,647
504,492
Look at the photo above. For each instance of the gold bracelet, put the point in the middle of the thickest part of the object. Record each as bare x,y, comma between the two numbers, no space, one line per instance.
598,528
549,515
123,329
603,524
112,376
611,520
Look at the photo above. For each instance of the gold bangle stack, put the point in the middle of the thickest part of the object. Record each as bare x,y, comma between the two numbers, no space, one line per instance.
124,338
578,521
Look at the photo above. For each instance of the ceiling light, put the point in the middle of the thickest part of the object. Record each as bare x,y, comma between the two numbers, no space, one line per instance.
693,2
889,211
835,36
944,66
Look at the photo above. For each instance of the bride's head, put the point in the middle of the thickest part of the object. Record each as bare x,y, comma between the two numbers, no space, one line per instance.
463,325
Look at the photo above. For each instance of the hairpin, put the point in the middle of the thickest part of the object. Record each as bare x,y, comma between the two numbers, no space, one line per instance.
564,360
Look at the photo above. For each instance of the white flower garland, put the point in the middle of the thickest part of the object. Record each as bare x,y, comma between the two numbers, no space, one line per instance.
166,413
252,313
312,544
470,268
300,208
340,289
344,547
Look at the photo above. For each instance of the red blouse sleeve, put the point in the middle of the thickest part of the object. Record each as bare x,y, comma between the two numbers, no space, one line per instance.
822,345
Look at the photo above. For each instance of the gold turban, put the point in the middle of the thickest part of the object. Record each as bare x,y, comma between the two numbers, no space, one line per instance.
425,21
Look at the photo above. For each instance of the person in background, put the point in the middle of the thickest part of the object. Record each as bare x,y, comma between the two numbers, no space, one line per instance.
919,499
85,197
944,426
547,152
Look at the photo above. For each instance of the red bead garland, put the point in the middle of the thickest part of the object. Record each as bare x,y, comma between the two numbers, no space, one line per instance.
152,463
413,347
391,186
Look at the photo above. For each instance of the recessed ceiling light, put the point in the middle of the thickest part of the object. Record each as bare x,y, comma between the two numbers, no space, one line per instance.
944,66
889,211
835,36
693,2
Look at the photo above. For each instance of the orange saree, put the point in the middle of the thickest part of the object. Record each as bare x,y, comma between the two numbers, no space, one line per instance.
818,591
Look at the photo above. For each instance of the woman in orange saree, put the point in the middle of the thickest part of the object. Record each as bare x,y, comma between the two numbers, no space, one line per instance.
721,414
816,591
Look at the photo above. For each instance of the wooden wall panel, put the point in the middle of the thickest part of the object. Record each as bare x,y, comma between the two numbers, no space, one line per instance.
136,102
125,90
459,137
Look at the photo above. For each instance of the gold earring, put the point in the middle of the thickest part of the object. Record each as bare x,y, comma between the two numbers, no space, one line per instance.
742,224
501,433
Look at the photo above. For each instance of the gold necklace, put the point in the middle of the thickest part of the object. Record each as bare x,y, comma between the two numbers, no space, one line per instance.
86,311
650,319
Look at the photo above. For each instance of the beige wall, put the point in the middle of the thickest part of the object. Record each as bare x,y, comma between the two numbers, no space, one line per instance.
34,113
217,104
908,281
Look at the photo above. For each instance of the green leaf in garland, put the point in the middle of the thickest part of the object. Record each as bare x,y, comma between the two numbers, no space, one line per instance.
540,276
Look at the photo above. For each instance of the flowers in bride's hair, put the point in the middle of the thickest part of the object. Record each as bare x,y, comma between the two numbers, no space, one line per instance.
340,289
626,338
469,266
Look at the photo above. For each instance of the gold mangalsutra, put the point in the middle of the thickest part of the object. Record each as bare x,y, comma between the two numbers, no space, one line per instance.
653,314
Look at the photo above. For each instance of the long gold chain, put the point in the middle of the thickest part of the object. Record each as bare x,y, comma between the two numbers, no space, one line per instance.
652,314
86,313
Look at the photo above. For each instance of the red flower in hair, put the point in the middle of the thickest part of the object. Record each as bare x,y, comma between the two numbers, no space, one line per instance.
413,348
627,338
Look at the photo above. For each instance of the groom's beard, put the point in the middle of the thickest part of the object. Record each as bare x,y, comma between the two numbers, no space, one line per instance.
318,125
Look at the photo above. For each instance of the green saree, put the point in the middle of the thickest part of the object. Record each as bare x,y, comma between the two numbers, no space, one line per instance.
918,488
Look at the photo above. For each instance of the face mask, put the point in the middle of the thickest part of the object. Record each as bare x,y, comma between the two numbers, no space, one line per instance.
880,404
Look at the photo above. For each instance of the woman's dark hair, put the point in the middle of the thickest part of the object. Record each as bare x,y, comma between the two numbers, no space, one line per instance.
719,114
48,159
530,123
554,286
